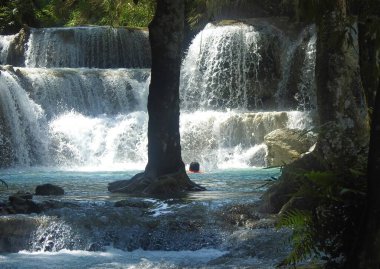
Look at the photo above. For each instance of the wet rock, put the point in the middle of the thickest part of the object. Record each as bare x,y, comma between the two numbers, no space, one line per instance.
239,214
49,189
96,247
286,145
53,204
134,202
23,195
15,232
21,203
16,53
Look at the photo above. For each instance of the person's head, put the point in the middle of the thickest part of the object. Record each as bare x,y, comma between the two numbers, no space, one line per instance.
194,167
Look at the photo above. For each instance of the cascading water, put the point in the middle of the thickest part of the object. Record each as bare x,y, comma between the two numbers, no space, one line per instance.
23,138
58,113
97,117
94,47
232,67
5,42
101,47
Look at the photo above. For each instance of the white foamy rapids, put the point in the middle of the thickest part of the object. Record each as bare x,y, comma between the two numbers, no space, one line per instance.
22,122
99,142
101,47
233,139
97,119
5,41
225,67
88,91
111,258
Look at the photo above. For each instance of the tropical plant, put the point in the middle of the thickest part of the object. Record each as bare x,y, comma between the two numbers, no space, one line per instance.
330,225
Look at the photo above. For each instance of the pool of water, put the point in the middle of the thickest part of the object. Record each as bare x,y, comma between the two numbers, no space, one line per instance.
199,230
92,185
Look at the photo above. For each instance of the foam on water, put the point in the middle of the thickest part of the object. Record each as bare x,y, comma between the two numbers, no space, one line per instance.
111,258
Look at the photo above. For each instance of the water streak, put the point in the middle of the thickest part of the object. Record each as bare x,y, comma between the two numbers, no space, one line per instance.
231,67
5,42
101,47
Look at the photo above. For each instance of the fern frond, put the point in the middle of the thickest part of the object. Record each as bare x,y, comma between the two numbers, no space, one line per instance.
302,237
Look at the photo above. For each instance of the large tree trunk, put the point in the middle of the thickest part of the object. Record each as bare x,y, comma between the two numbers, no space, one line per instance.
369,247
342,110
367,23
165,172
341,102
165,34
365,252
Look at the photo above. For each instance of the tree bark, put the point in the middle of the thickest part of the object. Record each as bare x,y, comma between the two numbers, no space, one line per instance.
165,34
367,21
342,110
165,172
341,102
369,256
365,252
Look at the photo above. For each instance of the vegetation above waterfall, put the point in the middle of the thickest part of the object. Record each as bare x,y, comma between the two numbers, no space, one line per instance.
45,13
131,13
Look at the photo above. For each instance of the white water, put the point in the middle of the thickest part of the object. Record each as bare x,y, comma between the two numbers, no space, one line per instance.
306,95
5,42
102,47
79,119
97,118
230,67
24,120
90,92
83,118
112,258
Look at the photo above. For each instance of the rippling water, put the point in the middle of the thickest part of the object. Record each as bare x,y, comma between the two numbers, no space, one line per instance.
92,185
95,217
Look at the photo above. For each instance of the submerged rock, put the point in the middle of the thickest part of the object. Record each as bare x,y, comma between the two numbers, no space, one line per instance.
134,202
49,189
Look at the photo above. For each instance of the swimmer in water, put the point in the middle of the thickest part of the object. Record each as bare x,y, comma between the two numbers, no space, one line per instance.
194,167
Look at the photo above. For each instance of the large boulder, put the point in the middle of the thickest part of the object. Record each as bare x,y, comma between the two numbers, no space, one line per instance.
287,145
49,189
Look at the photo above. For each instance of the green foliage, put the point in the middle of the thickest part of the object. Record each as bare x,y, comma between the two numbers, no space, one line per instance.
47,13
13,14
110,12
200,12
300,221
331,224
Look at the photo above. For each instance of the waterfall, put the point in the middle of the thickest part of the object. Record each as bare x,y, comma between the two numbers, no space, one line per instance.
232,67
93,47
67,114
88,91
5,42
296,89
23,139
81,117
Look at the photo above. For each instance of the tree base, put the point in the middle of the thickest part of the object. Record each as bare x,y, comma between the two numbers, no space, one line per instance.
166,185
